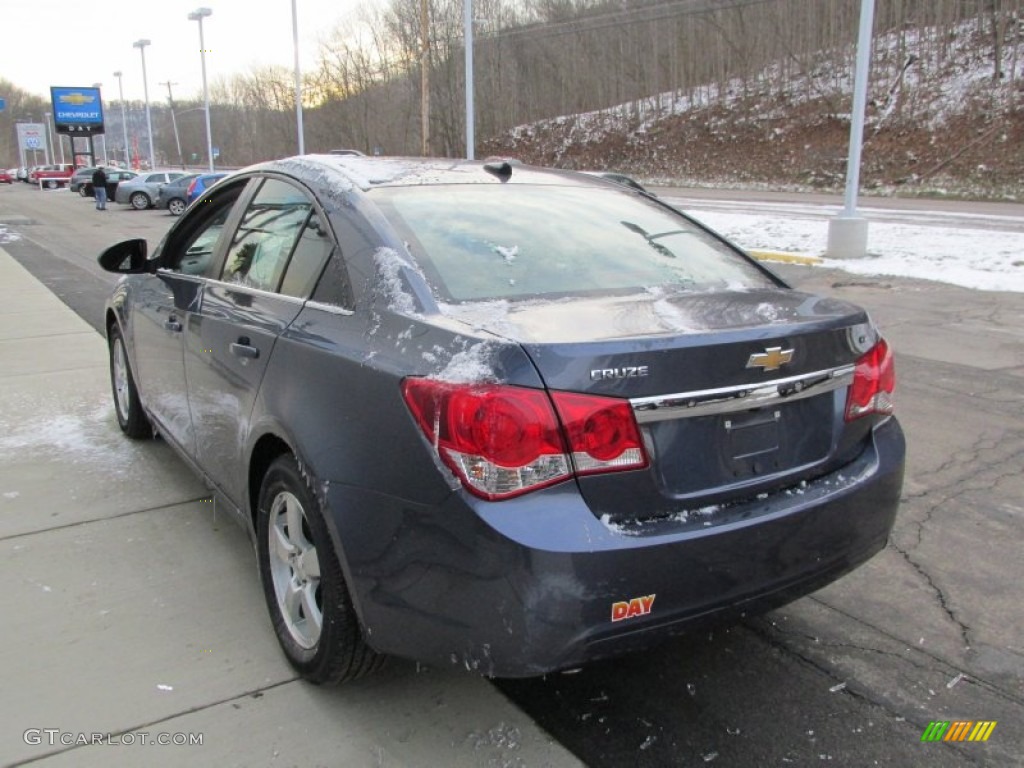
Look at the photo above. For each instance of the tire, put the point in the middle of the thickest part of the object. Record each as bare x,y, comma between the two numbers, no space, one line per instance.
51,184
130,416
308,600
176,206
82,192
140,201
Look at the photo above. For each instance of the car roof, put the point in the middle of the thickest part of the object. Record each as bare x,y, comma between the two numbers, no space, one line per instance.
366,173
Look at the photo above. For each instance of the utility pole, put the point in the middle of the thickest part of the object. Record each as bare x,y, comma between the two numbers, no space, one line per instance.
141,45
470,113
298,81
425,76
848,232
174,122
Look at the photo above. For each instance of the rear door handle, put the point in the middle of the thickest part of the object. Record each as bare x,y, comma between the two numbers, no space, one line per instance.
242,348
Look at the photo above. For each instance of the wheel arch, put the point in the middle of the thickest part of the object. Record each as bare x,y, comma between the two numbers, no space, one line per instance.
267,448
109,321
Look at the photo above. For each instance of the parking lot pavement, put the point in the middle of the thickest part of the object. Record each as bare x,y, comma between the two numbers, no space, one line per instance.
130,606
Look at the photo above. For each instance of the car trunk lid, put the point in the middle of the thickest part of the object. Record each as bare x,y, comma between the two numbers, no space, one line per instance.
736,392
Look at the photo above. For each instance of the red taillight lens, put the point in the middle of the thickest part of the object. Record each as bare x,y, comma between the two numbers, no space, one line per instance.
504,441
602,432
191,187
500,440
874,380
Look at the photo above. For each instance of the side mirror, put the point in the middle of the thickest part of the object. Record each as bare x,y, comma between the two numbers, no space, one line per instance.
125,258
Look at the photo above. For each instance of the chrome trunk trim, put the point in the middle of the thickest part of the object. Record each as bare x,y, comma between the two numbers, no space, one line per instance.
744,397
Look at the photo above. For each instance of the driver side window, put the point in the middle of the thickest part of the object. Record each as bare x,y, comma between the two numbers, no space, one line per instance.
263,243
192,252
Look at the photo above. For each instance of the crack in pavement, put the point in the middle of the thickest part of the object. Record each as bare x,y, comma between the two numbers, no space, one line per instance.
997,468
91,521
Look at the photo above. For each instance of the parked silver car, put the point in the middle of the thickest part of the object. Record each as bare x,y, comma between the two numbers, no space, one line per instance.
141,191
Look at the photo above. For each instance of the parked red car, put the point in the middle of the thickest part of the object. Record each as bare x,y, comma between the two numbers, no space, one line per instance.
6,177
52,176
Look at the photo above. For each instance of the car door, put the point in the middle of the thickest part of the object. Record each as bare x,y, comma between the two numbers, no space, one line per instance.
163,305
153,182
242,314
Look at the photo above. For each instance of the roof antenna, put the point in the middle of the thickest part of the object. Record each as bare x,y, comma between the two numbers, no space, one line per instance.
502,169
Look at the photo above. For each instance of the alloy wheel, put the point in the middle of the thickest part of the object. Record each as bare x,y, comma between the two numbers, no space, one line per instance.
295,570
121,386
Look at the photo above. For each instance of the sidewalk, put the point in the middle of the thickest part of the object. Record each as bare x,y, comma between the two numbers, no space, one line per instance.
129,606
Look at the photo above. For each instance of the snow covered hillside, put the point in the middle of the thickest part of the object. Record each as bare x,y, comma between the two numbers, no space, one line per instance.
942,120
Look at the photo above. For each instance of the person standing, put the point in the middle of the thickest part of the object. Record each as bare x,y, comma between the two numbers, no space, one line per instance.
99,187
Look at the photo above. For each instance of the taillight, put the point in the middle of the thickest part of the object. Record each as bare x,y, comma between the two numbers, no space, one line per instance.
874,380
503,441
601,431
191,187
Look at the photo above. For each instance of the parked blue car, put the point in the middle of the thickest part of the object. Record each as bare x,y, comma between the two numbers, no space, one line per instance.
508,418
202,183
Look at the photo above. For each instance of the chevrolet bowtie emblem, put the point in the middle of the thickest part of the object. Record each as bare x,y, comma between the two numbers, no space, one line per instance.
771,359
76,98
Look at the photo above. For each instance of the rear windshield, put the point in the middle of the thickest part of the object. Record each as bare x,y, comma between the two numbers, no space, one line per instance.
512,241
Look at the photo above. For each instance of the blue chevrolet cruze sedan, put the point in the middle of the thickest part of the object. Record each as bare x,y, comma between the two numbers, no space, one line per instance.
498,416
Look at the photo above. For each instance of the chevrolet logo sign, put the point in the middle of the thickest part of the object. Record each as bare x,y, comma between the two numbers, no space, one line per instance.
78,99
771,359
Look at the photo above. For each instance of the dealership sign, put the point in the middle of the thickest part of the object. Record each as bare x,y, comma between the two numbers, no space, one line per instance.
77,110
31,136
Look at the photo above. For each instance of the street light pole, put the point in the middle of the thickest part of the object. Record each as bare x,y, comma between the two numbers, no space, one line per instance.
468,22
848,232
49,139
141,45
106,160
298,80
198,15
425,77
124,120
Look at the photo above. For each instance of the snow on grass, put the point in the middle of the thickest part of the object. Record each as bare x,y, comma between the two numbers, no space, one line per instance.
985,259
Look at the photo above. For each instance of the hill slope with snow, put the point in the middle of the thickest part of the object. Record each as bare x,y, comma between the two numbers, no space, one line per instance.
939,121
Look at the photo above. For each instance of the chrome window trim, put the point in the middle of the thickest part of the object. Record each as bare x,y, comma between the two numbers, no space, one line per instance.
708,402
242,288
334,309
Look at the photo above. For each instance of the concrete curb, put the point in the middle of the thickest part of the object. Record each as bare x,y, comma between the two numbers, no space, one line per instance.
786,258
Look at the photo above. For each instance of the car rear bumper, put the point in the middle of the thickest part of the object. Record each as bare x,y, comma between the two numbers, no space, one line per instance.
524,587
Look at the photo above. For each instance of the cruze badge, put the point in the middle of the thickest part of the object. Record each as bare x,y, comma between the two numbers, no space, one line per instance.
771,359
626,372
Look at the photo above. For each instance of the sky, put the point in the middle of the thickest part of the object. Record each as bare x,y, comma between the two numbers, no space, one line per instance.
90,41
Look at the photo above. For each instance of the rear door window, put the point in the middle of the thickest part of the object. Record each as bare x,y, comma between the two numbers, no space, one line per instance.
307,262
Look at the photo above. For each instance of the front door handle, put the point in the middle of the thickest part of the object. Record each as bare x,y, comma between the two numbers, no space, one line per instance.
242,348
172,324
